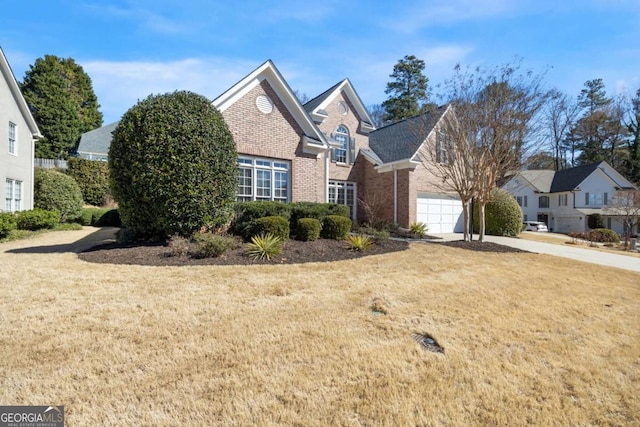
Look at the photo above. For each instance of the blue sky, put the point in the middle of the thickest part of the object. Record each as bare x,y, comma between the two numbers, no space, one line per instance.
131,49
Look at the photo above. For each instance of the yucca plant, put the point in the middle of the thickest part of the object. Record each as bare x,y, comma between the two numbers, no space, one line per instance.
264,246
418,229
359,242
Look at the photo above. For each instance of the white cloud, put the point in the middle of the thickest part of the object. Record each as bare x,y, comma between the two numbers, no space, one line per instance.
119,85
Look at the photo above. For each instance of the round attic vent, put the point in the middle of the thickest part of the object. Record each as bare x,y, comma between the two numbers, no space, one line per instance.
264,104
342,107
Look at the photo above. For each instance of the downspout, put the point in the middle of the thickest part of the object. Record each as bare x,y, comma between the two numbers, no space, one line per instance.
395,196
326,175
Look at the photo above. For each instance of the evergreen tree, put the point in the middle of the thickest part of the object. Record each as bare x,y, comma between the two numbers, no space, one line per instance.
632,164
598,133
408,90
61,98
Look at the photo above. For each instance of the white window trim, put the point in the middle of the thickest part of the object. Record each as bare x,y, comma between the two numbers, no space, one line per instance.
344,147
13,187
12,142
347,185
275,166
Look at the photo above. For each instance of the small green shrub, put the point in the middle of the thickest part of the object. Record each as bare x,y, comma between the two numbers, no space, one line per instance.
108,218
418,229
8,222
264,246
604,235
308,229
336,227
318,211
276,225
55,191
37,219
85,217
246,214
379,236
595,221
209,245
359,242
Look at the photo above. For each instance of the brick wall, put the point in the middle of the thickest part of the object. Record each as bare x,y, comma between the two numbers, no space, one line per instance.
276,135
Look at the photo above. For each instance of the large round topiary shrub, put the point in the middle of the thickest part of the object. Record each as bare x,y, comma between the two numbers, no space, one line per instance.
55,191
502,215
173,166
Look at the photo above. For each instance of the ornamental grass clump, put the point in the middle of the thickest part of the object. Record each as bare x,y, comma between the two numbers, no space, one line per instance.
359,242
419,229
264,246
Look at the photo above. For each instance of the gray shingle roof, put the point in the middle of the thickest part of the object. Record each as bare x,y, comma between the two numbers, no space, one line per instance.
311,105
540,179
401,140
569,179
97,141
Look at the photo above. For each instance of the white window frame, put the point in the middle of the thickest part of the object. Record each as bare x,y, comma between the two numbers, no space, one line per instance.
264,179
13,195
338,192
342,152
13,138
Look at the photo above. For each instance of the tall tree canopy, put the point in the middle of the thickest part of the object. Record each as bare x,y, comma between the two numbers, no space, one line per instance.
598,134
408,90
632,122
61,98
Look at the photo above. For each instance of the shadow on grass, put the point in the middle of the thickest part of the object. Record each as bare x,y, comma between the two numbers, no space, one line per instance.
99,237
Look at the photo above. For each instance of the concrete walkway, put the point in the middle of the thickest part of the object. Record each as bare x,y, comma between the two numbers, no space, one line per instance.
567,251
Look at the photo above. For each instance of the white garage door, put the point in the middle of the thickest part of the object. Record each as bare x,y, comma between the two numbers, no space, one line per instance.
442,214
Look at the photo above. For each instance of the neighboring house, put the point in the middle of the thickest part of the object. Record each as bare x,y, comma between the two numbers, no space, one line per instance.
94,145
564,199
327,150
18,132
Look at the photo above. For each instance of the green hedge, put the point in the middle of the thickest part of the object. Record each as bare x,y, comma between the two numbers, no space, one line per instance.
336,227
318,211
55,191
276,225
8,222
246,214
307,229
92,177
37,219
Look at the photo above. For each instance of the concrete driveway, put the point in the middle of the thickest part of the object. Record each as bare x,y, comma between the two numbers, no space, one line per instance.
567,251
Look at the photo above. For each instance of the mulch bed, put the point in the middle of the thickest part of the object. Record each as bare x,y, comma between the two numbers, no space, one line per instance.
294,252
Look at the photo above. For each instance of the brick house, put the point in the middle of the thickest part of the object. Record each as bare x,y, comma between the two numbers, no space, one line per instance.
328,150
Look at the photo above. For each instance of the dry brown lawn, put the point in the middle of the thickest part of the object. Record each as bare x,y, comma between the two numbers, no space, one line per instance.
529,339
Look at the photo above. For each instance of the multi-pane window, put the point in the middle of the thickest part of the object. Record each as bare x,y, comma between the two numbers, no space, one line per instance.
543,202
343,193
263,179
13,195
12,138
563,199
595,199
342,136
442,145
522,201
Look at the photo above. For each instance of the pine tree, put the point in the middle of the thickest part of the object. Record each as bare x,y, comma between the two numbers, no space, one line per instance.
632,164
408,90
61,98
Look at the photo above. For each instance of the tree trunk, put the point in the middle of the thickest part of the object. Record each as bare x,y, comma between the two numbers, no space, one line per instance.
466,209
481,218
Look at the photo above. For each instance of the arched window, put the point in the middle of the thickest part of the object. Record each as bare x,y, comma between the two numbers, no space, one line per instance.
342,136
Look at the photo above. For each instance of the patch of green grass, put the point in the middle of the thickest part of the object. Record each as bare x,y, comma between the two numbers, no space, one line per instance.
27,234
